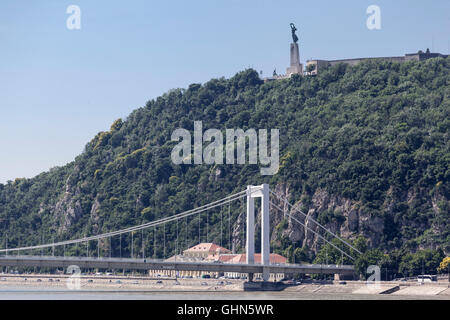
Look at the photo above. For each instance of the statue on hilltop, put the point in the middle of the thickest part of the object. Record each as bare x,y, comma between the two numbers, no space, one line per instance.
294,36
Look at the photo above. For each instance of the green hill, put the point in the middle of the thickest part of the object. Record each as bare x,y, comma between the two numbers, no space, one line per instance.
363,149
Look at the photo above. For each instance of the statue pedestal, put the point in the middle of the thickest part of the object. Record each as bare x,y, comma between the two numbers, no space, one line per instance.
296,67
295,70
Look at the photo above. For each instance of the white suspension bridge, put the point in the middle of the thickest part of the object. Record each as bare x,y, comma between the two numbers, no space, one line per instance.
8,259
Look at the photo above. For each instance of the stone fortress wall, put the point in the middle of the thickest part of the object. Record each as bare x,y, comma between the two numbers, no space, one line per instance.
419,56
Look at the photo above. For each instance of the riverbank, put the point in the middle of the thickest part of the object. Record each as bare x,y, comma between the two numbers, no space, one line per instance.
129,287
118,283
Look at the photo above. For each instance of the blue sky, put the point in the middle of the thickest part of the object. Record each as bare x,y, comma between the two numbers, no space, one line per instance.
59,87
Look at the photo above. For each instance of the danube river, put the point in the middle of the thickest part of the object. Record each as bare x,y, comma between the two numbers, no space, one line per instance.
21,293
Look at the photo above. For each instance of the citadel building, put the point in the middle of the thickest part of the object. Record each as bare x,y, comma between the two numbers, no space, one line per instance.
313,67
316,65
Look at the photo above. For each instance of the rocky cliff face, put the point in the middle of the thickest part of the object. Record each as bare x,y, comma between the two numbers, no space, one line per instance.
67,209
341,216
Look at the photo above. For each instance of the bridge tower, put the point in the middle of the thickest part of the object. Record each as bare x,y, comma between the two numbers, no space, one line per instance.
262,192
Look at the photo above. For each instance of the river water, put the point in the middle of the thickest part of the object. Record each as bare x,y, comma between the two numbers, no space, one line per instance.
21,293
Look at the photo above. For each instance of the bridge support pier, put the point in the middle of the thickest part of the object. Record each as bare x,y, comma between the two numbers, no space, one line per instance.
262,192
250,245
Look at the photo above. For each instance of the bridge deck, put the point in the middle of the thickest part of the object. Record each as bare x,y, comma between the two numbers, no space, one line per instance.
151,264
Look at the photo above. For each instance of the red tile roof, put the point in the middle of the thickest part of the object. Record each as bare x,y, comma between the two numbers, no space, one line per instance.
274,258
226,257
208,247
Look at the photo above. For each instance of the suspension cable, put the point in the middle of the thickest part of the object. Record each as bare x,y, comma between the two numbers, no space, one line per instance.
198,210
330,243
316,222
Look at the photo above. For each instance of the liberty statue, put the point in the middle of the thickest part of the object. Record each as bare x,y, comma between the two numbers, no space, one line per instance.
294,36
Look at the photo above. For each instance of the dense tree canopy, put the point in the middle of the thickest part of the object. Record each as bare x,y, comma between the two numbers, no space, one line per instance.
375,133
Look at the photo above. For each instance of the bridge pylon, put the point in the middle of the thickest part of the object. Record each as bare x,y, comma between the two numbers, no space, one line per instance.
261,191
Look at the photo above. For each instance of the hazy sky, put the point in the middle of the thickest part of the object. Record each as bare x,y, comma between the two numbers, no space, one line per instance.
59,87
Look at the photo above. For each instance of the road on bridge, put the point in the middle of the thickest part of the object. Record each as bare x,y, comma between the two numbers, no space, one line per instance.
150,264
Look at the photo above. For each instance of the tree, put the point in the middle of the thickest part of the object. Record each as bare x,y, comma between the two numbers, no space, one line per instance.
368,258
444,265
310,68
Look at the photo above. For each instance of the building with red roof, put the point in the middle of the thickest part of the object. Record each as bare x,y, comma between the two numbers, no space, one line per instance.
214,253
206,250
